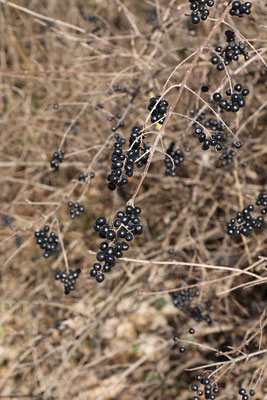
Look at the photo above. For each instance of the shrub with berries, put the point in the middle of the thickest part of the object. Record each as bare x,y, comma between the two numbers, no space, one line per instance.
214,323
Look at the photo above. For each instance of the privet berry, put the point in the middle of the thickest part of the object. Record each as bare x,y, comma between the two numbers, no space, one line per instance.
200,10
173,159
240,9
68,280
204,88
126,225
159,108
230,53
56,159
50,244
75,209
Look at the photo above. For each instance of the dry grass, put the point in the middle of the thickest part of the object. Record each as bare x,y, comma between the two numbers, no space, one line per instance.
114,340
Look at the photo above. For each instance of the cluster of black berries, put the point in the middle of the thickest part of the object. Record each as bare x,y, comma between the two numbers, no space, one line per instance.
262,201
230,53
227,155
56,159
115,127
207,390
217,128
75,127
159,109
84,178
242,392
126,226
119,125
246,222
201,313
240,9
75,209
217,137
186,297
237,100
138,152
7,220
175,255
136,155
183,296
117,178
68,280
48,243
173,159
199,7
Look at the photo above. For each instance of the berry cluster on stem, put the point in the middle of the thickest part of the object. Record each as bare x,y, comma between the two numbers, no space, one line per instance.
242,392
75,209
48,243
173,158
84,177
126,225
158,108
230,53
56,159
200,10
68,279
123,164
217,137
208,390
240,9
236,102
186,297
244,222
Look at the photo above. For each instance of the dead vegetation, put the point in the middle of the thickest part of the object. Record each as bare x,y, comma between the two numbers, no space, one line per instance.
115,340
